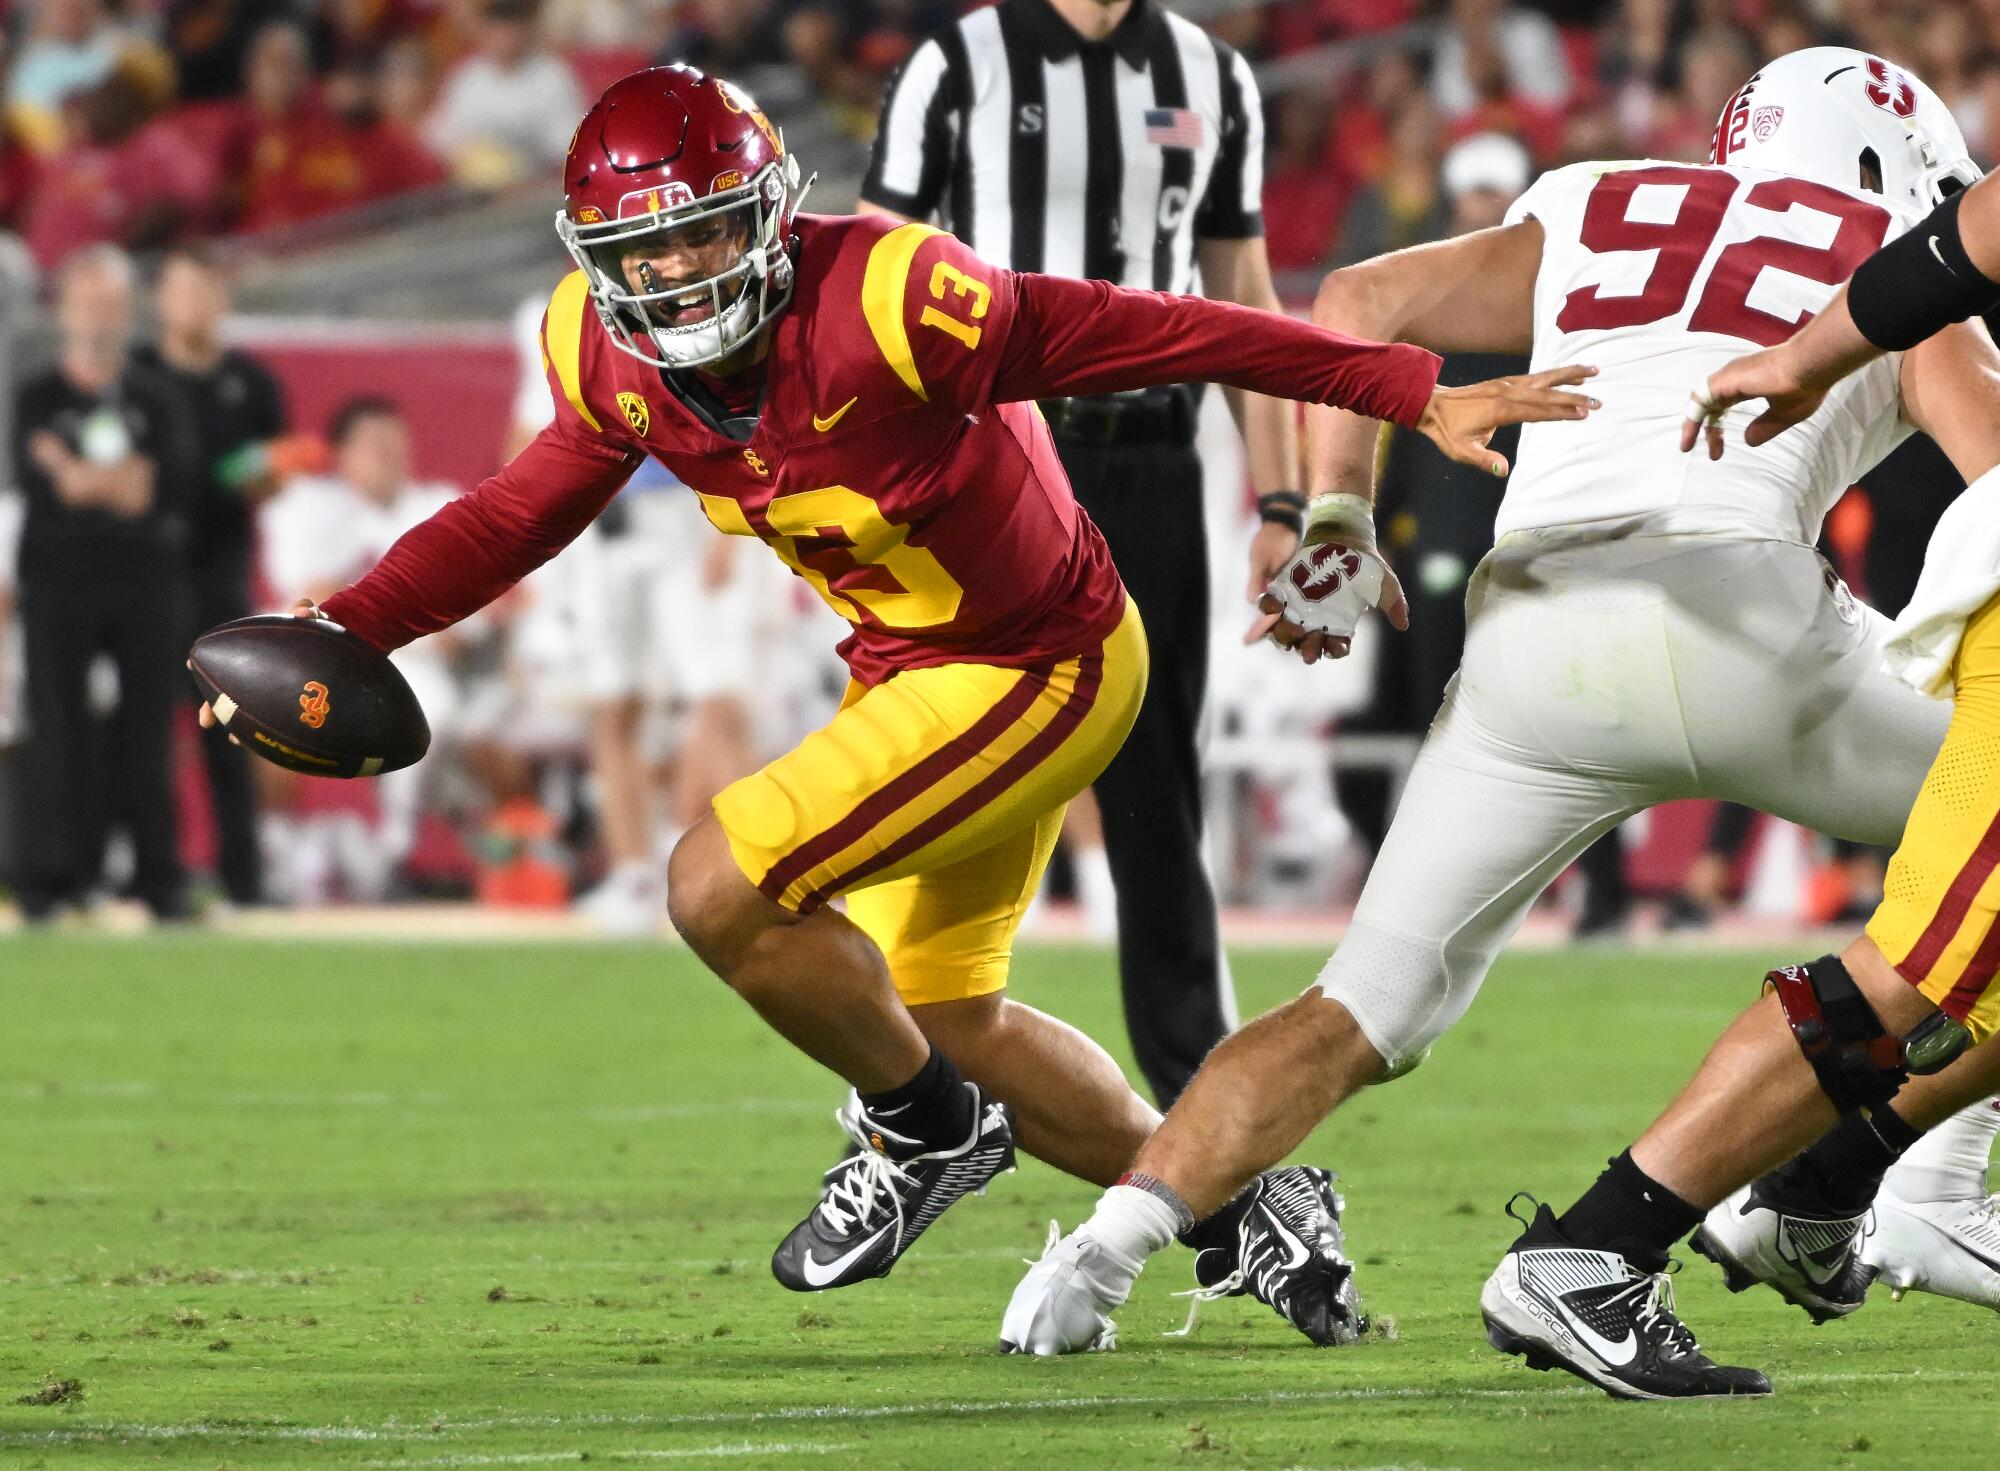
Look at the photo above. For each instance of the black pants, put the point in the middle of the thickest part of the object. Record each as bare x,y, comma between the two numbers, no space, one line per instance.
77,778
1147,500
220,595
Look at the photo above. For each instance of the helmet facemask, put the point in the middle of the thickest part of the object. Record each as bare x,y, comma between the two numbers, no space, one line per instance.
735,240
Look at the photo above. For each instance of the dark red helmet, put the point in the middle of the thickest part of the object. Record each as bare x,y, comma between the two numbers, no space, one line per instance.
672,154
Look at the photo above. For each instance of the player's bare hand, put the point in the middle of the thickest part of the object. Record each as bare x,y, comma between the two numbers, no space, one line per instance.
1272,547
1773,375
1461,421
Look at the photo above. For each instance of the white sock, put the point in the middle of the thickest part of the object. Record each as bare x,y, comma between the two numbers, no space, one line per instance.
1133,1222
1949,1163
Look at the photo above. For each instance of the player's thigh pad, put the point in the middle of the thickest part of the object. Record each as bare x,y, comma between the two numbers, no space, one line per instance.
948,932
930,767
1481,831
1941,897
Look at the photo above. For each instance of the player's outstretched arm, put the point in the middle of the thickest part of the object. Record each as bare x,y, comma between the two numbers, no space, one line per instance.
481,544
1944,270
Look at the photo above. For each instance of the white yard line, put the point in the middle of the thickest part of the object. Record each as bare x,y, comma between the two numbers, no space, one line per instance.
396,1430
543,1458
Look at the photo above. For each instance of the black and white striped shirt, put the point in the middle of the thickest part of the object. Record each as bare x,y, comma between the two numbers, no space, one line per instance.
1044,152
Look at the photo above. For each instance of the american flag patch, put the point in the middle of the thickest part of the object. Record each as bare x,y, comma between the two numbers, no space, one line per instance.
1174,127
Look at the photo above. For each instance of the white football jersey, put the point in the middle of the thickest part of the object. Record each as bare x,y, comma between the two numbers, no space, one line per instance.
1659,274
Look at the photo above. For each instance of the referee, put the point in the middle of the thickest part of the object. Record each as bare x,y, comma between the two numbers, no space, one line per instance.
1110,140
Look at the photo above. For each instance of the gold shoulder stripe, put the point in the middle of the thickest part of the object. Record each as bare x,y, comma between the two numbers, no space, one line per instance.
562,343
882,288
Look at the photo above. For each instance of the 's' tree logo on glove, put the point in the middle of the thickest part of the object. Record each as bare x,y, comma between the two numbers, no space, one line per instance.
1321,571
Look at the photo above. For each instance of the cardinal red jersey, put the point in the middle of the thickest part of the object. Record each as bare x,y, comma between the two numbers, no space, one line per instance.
937,522
898,463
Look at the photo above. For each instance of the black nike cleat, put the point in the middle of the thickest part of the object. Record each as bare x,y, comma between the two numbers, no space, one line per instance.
1781,1232
1562,1306
1290,1255
884,1193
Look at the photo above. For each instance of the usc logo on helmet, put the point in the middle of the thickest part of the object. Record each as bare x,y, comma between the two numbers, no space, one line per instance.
314,704
636,412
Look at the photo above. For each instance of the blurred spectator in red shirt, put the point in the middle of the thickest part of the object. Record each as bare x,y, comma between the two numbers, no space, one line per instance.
1358,146
1714,62
1497,108
1490,48
508,111
295,154
1303,198
1403,204
69,46
122,177
20,171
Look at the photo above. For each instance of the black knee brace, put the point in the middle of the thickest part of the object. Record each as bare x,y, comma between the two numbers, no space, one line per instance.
1858,1062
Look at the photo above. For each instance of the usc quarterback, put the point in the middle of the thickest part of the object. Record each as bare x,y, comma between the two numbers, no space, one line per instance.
860,397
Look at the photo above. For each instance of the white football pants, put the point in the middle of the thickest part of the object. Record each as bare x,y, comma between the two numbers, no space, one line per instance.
1604,674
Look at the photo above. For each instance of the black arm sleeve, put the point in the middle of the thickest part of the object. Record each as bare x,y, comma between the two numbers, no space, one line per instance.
1919,284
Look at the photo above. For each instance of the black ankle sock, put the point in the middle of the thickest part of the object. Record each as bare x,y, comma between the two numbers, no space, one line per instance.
1631,1213
1848,1162
1218,1230
934,1107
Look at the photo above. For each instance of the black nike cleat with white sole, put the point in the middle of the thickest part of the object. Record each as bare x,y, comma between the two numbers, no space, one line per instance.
1781,1232
1562,1306
1289,1254
885,1192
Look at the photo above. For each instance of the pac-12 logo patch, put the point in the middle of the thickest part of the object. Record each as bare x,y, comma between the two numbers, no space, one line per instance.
636,412
313,704
1764,122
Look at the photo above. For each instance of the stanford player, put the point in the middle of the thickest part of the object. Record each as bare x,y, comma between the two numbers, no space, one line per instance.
859,397
1648,627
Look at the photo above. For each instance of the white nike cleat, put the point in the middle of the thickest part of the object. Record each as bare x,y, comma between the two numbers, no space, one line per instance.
1774,1232
1947,1247
1063,1305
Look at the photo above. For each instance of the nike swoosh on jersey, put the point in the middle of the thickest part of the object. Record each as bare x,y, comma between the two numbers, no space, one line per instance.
1617,1355
822,425
820,1273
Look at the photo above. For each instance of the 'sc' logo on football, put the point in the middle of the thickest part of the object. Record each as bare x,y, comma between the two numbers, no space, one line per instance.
1324,571
313,704
750,458
636,412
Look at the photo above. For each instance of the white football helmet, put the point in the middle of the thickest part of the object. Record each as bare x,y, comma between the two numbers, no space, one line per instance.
1828,112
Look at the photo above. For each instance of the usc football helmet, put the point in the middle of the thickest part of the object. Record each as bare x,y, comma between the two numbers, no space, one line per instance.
1829,113
674,165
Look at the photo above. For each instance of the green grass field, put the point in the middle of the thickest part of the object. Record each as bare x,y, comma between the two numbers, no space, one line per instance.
317,1205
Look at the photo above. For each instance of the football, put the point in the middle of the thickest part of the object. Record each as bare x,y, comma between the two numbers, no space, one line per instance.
310,696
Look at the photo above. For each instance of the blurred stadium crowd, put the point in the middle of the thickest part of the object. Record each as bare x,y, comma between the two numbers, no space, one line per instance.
157,153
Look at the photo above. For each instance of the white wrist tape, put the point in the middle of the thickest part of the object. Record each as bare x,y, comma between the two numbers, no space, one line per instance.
1347,519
